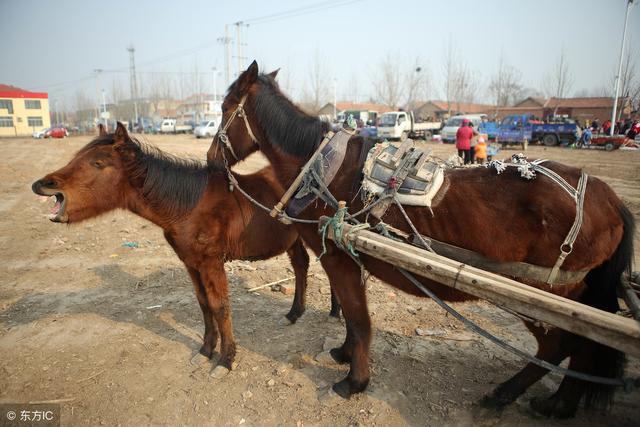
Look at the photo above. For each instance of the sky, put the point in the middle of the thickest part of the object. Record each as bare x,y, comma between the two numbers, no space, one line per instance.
55,46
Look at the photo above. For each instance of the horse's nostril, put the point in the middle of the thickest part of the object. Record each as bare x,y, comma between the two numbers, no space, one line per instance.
36,187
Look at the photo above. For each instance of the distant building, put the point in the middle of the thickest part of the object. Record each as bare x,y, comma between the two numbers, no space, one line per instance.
328,110
441,110
199,107
582,109
22,112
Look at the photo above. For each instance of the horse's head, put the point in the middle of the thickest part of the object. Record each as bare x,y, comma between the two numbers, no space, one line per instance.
92,183
239,134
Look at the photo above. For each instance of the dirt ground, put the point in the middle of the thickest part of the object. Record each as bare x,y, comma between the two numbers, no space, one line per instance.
109,330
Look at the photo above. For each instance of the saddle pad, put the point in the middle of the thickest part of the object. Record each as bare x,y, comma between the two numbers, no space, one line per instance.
422,182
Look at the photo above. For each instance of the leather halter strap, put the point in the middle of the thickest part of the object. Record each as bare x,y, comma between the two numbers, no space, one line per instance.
223,137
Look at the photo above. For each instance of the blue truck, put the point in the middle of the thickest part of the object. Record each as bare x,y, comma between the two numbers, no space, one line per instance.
521,129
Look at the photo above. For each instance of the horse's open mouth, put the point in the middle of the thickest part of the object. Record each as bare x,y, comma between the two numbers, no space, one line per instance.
58,213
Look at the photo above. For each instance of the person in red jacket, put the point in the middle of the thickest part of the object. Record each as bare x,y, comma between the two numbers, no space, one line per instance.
463,141
606,127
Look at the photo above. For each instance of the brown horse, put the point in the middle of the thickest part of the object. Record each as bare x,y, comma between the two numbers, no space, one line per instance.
503,217
204,223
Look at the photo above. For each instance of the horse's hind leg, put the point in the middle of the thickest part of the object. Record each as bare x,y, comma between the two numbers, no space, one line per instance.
300,263
344,276
590,358
553,347
217,294
210,327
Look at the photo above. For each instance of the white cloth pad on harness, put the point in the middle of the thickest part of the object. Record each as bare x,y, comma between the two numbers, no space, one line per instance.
420,185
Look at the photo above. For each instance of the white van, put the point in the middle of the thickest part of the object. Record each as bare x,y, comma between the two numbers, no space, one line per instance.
452,125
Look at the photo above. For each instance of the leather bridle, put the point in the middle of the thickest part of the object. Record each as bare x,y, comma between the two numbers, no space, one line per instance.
223,138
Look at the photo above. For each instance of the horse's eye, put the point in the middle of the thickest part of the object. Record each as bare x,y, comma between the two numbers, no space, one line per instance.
98,164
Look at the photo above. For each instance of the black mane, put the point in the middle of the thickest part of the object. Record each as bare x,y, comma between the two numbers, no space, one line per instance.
170,184
284,124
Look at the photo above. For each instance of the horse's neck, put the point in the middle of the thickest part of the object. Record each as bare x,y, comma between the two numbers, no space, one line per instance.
139,205
159,210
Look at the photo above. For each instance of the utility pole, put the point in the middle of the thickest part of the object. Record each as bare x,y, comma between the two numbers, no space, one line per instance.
240,45
615,97
133,81
226,41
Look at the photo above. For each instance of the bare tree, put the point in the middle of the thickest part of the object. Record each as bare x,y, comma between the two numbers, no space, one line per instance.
505,87
84,106
318,90
415,79
450,69
460,83
389,83
559,81
629,81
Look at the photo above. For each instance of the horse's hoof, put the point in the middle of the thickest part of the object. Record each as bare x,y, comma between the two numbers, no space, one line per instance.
218,372
486,412
293,316
491,402
286,321
342,389
324,357
199,359
339,356
552,407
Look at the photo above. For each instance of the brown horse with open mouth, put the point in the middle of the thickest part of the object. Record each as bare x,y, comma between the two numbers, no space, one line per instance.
204,223
503,218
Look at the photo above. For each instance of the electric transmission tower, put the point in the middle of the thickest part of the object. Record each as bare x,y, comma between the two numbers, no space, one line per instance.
133,81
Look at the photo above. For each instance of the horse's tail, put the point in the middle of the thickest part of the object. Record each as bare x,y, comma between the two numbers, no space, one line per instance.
602,284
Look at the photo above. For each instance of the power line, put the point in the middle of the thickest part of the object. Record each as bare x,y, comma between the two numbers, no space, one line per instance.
316,7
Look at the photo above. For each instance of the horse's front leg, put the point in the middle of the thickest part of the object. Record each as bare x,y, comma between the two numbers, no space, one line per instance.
300,263
217,294
210,326
344,276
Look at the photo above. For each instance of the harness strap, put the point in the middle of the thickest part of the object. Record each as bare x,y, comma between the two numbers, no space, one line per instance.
567,246
277,210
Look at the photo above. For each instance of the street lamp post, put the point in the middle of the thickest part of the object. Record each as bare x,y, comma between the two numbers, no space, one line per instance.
335,98
104,110
615,97
97,71
57,112
215,88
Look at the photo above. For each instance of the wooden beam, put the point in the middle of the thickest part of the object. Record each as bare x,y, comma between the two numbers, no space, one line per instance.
606,328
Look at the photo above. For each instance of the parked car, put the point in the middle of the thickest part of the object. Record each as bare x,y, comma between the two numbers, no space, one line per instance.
39,134
401,125
56,132
171,126
206,129
452,125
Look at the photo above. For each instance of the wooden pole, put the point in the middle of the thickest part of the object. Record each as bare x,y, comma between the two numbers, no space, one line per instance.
606,328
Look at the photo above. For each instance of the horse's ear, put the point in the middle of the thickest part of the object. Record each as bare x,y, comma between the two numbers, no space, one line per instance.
120,135
248,77
273,74
102,131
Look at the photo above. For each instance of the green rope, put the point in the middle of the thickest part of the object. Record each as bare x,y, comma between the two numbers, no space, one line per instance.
337,225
